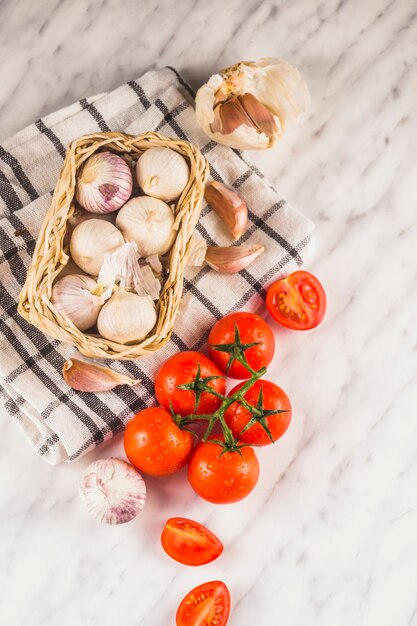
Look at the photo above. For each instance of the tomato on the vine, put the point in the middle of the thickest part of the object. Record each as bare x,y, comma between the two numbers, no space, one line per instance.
191,371
240,334
272,421
206,605
298,301
222,476
155,444
189,542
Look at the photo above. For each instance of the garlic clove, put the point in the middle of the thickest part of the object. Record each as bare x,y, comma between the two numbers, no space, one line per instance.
90,377
104,183
112,491
126,317
248,105
233,259
228,205
90,241
149,223
78,298
162,173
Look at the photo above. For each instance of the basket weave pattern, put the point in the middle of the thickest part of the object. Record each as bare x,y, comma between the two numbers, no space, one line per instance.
50,256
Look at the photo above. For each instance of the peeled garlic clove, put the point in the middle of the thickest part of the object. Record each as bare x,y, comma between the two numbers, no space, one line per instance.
77,297
148,222
91,377
112,491
228,205
90,241
126,317
248,105
162,173
104,183
233,259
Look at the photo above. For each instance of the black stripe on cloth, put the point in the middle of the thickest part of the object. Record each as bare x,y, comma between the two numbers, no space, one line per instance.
242,179
44,449
38,339
210,306
208,147
12,406
140,94
170,120
182,82
40,125
179,109
17,169
9,195
179,342
95,114
275,236
43,352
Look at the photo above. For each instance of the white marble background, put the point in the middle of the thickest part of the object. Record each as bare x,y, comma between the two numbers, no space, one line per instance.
329,537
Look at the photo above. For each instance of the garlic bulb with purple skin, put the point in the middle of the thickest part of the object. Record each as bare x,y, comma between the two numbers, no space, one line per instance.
248,105
112,491
104,183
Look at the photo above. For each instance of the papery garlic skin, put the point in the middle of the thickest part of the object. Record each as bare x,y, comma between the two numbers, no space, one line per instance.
112,491
162,173
149,223
72,296
104,183
90,241
92,378
259,98
126,317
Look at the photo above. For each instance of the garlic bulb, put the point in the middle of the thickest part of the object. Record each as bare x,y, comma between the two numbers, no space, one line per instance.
104,183
126,317
162,173
90,241
148,222
113,491
78,297
247,106
90,377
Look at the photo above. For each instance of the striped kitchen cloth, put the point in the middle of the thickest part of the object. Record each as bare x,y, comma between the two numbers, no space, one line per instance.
61,423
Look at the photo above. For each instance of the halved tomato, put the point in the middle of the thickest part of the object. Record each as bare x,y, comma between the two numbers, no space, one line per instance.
298,301
206,605
189,542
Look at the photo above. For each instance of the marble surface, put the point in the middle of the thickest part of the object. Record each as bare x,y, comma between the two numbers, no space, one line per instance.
330,534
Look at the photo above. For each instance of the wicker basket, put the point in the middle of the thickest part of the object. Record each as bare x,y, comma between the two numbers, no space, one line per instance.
50,256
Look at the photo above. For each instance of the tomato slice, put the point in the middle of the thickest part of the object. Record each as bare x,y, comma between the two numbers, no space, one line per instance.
189,542
298,301
206,605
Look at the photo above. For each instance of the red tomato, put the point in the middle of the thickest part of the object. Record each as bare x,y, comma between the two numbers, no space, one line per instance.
206,605
268,396
189,542
222,478
155,444
182,369
251,329
298,301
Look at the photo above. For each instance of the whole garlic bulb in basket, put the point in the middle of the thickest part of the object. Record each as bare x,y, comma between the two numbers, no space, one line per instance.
90,241
148,222
248,105
104,183
126,317
162,173
74,296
